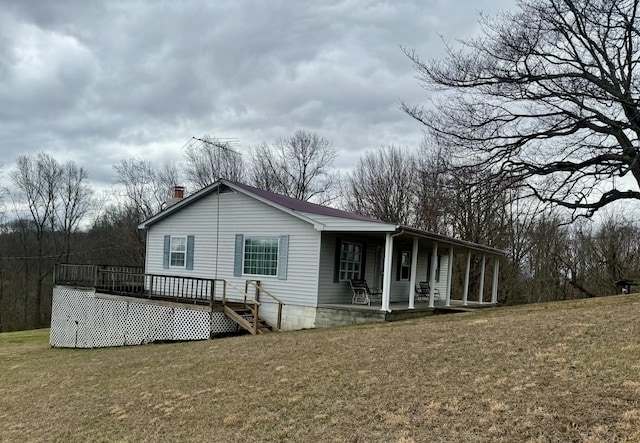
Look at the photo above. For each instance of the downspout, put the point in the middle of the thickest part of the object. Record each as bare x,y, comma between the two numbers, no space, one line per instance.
388,257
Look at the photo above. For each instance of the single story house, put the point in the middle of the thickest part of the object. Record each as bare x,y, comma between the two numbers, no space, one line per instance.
306,255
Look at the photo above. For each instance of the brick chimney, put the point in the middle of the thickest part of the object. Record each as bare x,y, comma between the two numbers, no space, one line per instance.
178,194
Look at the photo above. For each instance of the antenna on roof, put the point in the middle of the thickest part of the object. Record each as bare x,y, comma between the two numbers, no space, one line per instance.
223,145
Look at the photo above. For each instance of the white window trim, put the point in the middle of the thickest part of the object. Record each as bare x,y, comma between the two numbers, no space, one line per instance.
171,251
244,250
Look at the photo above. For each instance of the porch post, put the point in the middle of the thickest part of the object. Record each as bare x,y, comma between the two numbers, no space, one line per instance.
449,277
432,275
494,289
386,280
482,266
465,296
414,267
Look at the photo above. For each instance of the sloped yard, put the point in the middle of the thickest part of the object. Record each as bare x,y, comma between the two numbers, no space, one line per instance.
567,371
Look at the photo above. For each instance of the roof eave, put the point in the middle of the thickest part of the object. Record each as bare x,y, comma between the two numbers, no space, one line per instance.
454,241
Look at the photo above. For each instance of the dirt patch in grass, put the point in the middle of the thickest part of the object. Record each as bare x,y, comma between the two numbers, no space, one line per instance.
566,371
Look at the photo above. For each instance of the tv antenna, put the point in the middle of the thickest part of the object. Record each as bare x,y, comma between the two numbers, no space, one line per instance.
222,144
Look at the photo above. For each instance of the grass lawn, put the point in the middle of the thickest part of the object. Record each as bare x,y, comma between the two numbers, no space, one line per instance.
566,371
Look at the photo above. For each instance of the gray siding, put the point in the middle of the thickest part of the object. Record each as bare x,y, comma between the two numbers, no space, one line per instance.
330,292
422,270
240,214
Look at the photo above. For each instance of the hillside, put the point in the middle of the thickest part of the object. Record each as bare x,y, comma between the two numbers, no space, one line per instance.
564,371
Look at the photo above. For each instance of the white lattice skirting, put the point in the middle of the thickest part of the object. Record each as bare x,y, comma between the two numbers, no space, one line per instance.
82,319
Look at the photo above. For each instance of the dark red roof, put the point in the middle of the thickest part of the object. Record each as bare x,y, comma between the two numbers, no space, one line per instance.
300,205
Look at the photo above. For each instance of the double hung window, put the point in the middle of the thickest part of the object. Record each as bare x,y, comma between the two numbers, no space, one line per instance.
178,252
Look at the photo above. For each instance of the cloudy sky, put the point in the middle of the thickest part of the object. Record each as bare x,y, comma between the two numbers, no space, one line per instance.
101,81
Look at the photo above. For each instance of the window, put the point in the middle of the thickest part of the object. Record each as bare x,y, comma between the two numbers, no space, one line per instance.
257,255
405,265
350,260
178,252
260,256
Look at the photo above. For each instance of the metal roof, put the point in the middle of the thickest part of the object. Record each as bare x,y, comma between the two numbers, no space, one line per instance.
323,218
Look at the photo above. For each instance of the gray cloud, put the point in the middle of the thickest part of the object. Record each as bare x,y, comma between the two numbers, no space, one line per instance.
97,82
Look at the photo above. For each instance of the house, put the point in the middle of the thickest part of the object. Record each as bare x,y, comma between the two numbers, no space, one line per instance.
305,255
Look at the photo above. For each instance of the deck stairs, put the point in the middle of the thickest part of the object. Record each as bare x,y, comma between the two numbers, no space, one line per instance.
245,317
247,313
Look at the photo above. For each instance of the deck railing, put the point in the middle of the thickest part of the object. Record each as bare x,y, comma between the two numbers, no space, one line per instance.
258,290
132,281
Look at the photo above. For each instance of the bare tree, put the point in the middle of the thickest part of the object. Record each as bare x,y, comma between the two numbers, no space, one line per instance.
37,182
75,200
547,271
602,253
147,187
299,166
382,185
432,190
548,95
3,193
209,159
116,235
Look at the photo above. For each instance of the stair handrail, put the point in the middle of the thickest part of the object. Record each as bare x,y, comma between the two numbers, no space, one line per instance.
246,300
260,289
255,309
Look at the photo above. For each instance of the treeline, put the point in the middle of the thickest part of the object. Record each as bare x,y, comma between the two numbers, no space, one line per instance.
551,255
52,214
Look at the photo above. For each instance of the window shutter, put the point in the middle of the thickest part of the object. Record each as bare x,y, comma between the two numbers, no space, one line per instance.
336,262
398,264
438,269
165,254
190,242
237,260
283,257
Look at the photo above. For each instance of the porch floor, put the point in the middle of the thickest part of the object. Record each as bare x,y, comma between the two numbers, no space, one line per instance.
401,311
404,306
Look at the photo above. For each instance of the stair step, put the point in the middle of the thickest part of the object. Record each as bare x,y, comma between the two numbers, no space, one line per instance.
262,326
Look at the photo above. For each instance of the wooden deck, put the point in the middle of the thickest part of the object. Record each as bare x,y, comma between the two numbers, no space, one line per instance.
218,295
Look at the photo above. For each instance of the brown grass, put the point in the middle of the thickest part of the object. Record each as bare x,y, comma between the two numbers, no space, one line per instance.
566,371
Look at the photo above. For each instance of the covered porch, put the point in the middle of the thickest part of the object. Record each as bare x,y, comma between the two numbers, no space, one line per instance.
450,249
410,269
